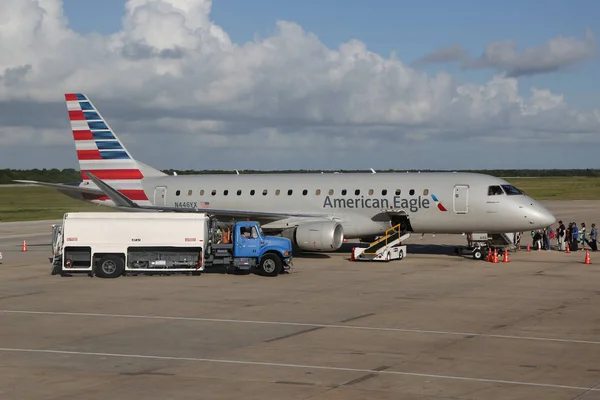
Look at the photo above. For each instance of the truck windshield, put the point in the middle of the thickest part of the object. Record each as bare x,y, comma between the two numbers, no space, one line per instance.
511,190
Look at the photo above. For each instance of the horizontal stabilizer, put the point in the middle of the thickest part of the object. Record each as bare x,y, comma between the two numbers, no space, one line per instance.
119,199
66,188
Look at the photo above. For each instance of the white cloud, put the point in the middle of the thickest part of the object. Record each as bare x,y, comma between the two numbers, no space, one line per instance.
172,71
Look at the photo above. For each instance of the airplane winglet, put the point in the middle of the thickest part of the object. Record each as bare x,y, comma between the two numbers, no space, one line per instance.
119,199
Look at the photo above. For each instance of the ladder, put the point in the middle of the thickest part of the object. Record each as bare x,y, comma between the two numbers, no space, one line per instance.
391,238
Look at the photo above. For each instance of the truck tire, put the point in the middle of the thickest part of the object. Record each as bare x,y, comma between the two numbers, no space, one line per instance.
270,265
110,266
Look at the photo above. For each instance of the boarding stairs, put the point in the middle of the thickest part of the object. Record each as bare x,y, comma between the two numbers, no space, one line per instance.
502,240
385,248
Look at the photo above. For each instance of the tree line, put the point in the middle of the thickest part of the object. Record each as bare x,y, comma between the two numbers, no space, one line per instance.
7,176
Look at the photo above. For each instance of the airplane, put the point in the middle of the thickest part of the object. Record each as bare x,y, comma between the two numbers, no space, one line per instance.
316,211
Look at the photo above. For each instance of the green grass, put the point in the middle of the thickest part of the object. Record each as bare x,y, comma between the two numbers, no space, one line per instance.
559,188
30,203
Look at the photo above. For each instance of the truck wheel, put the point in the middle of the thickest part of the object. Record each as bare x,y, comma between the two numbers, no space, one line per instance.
110,267
270,265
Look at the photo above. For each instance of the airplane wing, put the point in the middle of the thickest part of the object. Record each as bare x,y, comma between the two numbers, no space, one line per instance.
66,187
123,203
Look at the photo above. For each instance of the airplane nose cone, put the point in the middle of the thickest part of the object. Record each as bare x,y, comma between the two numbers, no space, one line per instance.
543,217
547,218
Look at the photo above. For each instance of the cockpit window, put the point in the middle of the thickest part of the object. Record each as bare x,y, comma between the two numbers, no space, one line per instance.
511,190
495,191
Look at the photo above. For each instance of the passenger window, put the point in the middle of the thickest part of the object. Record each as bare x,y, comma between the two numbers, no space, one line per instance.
290,192
239,192
202,192
495,191
318,192
214,192
331,192
398,191
344,192
252,192
189,192
357,192
265,192
177,192
305,192
225,192
370,192
411,192
425,192
277,192
384,192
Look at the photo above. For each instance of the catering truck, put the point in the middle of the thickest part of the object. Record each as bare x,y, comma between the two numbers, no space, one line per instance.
111,244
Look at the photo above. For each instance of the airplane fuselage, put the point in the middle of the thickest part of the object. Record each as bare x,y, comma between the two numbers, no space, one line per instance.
363,203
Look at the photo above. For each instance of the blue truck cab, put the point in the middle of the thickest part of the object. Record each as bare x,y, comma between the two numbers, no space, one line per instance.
250,250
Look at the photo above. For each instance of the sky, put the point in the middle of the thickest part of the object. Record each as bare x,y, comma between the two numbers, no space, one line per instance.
266,84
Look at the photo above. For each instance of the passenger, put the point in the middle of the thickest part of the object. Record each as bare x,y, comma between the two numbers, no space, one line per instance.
537,238
582,234
218,236
549,235
593,242
574,237
560,236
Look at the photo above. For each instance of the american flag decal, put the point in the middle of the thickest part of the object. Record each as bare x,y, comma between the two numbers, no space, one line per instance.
204,204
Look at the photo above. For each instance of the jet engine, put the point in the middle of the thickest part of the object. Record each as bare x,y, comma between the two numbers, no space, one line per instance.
317,236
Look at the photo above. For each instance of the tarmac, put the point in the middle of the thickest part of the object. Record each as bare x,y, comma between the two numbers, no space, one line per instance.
431,326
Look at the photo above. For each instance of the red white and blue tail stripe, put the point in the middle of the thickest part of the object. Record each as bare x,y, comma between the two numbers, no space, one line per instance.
100,151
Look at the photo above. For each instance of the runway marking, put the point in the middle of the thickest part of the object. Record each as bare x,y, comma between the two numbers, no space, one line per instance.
283,323
299,366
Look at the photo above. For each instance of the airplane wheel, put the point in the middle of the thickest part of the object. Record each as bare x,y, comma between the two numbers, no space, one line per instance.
477,254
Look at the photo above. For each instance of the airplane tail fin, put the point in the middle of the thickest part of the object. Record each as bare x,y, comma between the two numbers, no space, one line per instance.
101,153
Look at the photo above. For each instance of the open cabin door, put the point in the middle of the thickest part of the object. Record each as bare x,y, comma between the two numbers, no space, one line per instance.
461,199
160,196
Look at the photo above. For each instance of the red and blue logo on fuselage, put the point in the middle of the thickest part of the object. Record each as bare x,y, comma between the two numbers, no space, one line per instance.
439,205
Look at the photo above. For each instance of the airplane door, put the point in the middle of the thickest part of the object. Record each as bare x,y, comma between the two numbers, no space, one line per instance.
160,196
461,199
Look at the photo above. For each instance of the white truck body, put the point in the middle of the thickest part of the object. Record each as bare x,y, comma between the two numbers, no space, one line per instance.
147,242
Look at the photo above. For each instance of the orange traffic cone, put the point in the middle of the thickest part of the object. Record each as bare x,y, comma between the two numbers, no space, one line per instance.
489,257
24,246
528,248
568,249
506,259
352,258
587,257
495,255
